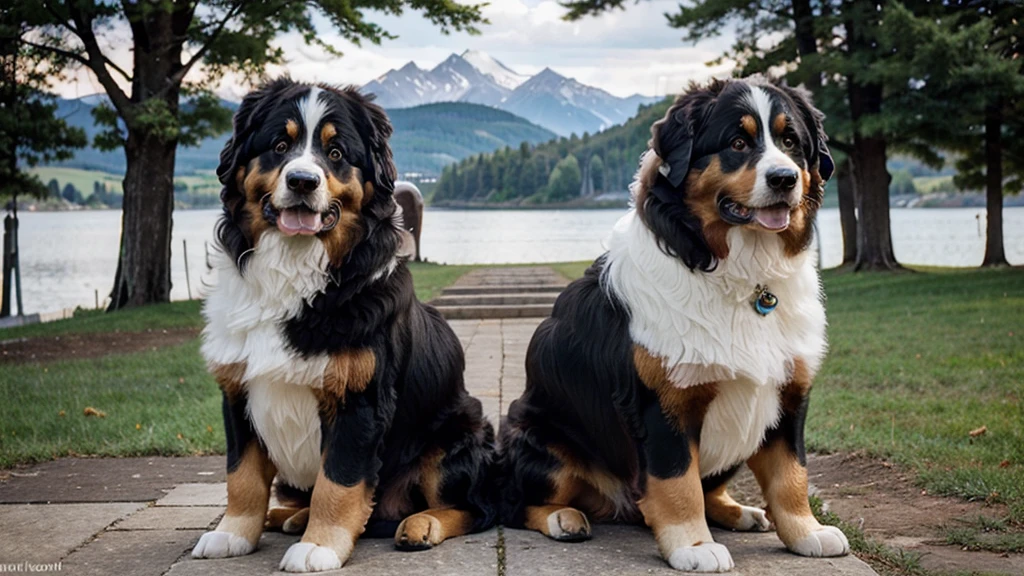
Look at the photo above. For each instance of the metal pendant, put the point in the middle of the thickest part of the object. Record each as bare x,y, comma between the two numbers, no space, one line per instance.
764,301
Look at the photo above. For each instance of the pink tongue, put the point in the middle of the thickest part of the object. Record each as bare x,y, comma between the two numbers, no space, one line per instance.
294,221
772,218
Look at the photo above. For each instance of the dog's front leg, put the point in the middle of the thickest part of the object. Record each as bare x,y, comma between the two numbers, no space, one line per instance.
250,473
343,495
673,505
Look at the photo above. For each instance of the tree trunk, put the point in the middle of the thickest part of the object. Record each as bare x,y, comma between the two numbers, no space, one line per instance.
848,211
994,254
806,42
144,267
874,238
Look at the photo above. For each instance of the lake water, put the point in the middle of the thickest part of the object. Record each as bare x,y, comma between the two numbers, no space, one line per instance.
67,256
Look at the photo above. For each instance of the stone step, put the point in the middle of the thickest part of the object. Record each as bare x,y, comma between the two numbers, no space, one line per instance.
504,289
500,299
490,312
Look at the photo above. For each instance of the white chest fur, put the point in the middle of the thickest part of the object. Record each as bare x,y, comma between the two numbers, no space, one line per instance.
704,328
243,324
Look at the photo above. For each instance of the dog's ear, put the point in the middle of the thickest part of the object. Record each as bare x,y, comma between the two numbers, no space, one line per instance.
672,141
818,156
376,131
236,150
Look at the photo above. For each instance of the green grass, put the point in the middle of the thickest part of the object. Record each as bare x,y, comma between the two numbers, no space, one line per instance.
159,316
571,270
81,179
158,402
917,361
430,278
985,533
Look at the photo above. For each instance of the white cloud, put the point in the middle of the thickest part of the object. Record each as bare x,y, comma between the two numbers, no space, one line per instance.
623,52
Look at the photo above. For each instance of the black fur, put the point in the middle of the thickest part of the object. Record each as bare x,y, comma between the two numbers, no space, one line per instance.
583,395
416,402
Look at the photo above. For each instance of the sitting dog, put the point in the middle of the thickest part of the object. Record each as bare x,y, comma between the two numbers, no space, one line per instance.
690,346
335,379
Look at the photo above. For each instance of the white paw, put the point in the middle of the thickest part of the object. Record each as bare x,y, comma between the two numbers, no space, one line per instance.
705,557
221,545
826,541
753,519
308,557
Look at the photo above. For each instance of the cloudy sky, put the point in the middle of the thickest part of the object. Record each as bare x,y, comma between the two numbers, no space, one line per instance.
623,52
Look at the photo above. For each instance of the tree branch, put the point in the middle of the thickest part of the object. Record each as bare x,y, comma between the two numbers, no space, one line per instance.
178,76
97,61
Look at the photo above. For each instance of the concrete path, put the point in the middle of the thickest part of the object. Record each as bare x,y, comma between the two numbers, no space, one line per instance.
521,292
141,516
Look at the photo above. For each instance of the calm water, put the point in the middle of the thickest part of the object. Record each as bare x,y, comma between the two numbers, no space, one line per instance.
67,256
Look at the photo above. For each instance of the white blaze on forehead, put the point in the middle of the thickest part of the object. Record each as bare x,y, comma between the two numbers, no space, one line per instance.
313,110
761,101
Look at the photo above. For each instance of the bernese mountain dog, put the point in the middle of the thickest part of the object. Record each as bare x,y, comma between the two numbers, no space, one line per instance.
335,379
689,347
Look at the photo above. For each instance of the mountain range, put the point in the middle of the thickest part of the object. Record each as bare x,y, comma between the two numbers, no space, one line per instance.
560,104
426,139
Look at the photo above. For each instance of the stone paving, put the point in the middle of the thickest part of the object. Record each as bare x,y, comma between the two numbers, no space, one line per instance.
141,516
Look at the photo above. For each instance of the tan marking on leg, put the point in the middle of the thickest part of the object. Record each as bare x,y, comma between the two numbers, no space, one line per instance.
431,527
297,523
278,515
432,478
722,509
597,493
687,406
338,515
674,508
562,523
229,377
248,494
349,371
784,484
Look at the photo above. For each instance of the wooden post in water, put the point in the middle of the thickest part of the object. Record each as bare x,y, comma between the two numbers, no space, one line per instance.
188,283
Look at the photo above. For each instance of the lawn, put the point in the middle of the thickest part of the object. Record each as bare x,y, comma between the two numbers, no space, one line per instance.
917,362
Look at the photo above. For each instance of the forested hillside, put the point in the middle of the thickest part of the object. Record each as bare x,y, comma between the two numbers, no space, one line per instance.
557,171
427,138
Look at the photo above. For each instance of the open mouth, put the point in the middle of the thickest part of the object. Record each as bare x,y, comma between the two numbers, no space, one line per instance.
774,217
300,220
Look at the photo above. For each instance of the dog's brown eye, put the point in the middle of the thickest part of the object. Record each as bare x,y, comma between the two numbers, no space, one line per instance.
788,143
739,144
334,154
281,147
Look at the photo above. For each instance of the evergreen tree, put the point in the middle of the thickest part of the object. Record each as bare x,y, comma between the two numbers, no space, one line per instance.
565,180
597,172
53,188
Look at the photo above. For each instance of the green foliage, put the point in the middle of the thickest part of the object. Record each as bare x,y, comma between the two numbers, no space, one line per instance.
564,181
902,183
597,172
512,176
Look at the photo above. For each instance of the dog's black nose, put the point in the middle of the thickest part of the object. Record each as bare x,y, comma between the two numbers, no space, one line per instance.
781,179
302,182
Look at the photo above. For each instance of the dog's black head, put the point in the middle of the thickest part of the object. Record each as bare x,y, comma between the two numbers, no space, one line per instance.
307,160
734,153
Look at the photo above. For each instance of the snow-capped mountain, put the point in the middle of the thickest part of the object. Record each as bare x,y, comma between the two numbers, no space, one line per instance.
549,99
498,72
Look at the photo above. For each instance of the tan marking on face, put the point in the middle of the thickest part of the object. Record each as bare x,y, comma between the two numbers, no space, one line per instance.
257,183
779,122
292,128
327,133
795,238
749,124
349,371
338,515
687,406
249,493
229,377
674,508
703,190
349,229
